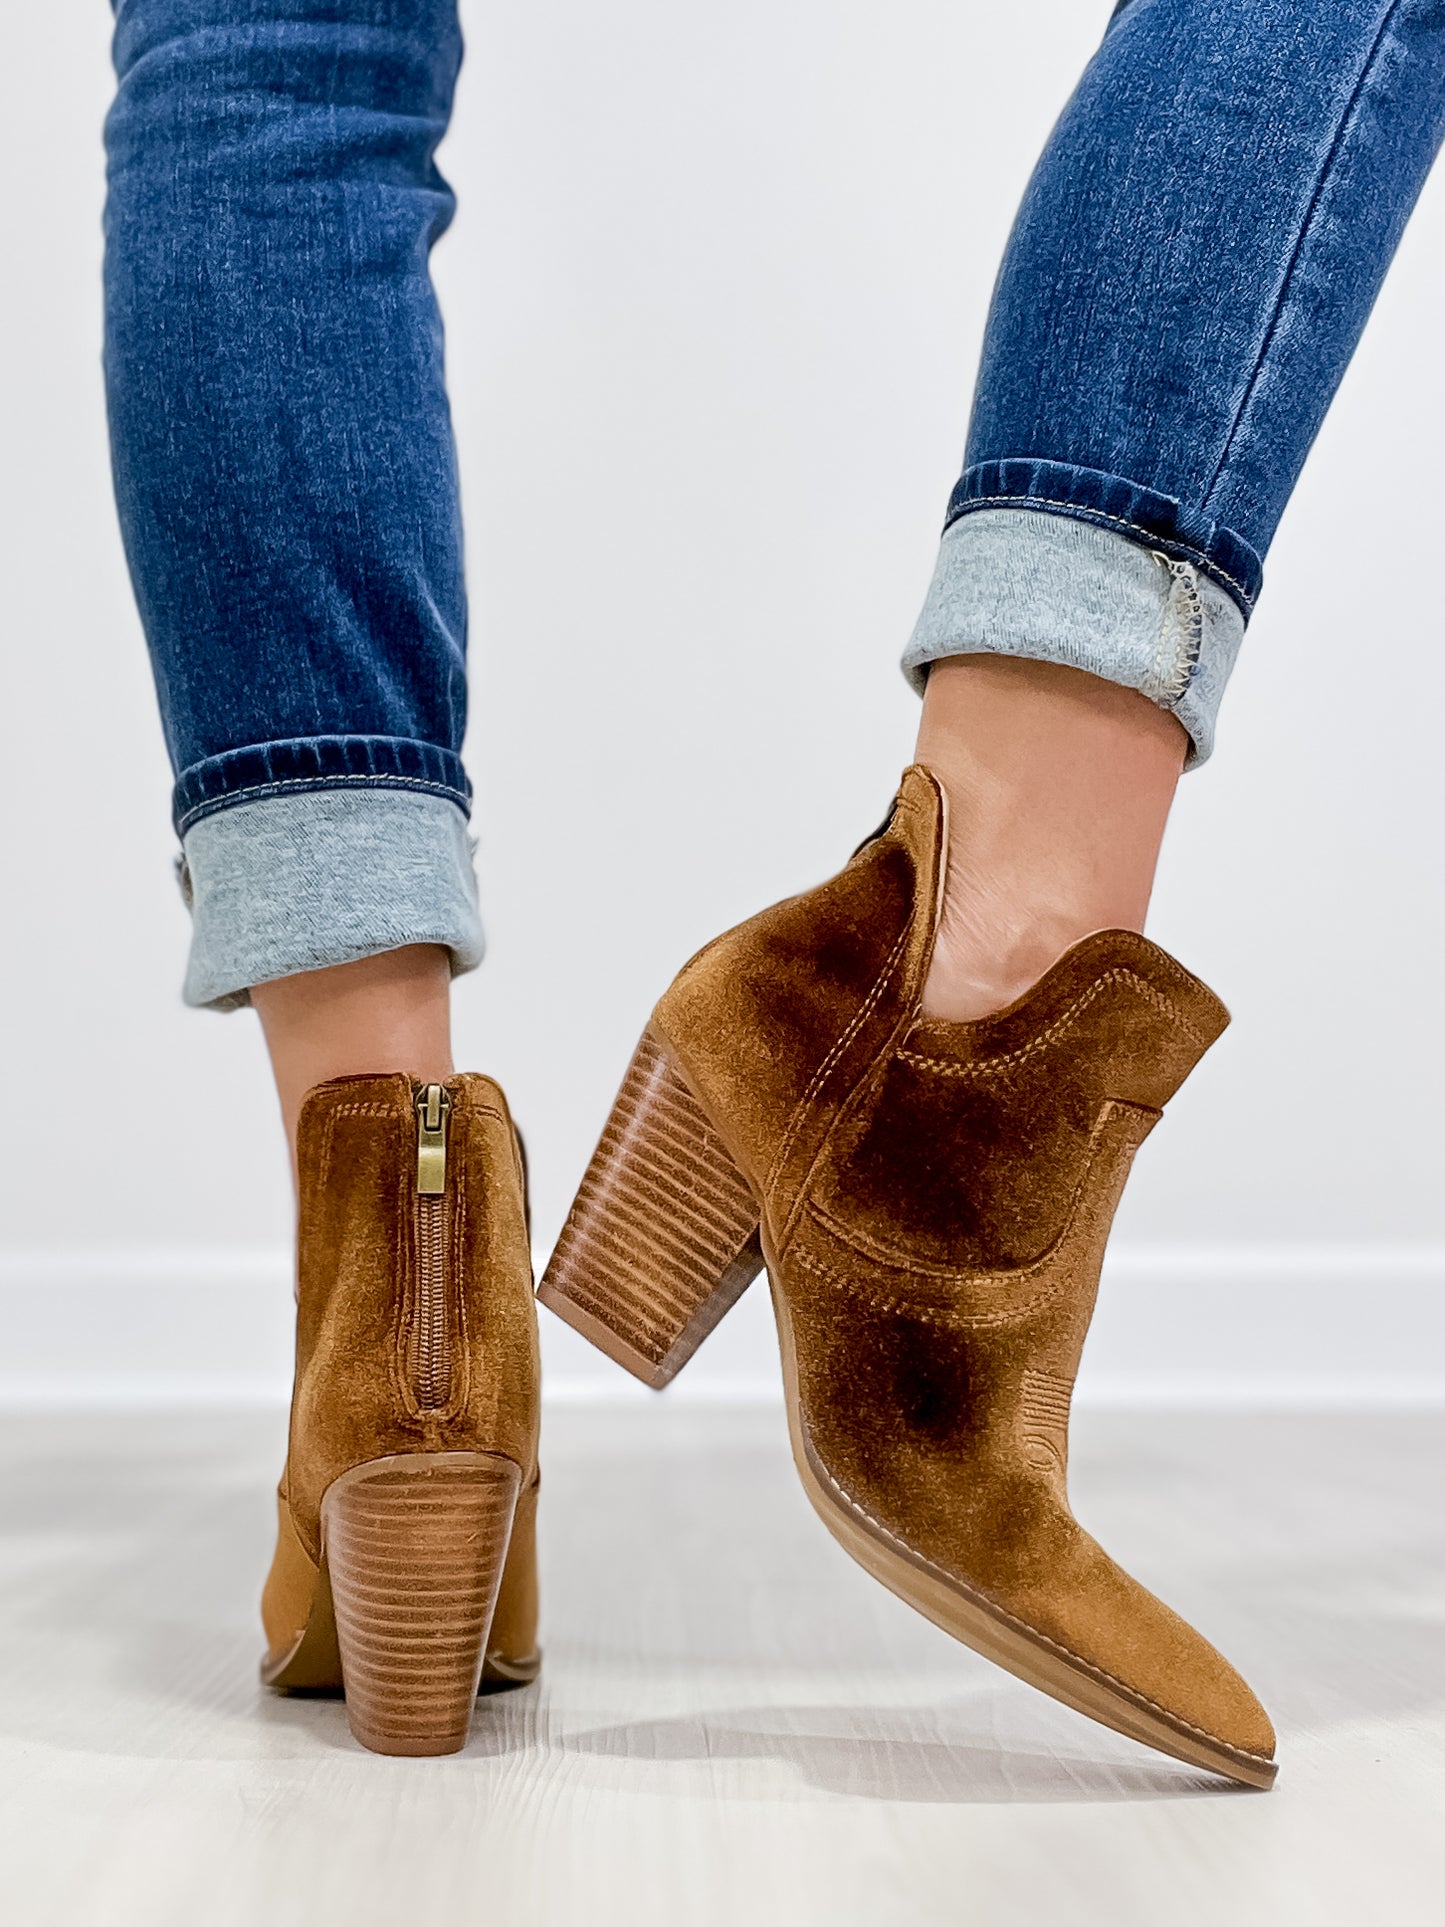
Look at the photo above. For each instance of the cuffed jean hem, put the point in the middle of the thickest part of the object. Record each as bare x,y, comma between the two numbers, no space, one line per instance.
1113,502
1053,588
324,876
301,764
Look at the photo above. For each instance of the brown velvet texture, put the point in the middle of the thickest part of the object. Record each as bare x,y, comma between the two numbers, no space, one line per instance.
356,1305
936,1200
775,1022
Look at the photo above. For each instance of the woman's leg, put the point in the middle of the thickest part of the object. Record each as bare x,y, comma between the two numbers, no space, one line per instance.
1191,269
287,489
1059,787
386,1013
1192,266
288,493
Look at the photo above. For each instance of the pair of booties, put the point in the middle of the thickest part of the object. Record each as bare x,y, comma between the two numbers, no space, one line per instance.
932,1203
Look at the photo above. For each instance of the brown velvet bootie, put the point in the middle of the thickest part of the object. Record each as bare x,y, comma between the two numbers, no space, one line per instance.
934,1203
405,1566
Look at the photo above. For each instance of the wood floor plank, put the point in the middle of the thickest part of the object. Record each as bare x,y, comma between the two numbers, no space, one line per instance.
734,1725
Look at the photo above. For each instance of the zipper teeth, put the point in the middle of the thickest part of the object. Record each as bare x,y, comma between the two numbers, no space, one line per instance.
433,1346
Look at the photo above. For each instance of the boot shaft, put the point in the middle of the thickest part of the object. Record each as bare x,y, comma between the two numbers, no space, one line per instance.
799,1031
416,1329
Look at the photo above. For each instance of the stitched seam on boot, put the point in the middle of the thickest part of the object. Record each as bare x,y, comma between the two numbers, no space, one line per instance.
996,1066
1044,1401
938,815
346,1110
376,1110
460,1401
1023,1626
1114,1109
820,1075
928,1314
402,1326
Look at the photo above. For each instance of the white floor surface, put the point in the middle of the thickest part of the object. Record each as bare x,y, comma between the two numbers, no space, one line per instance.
734,1725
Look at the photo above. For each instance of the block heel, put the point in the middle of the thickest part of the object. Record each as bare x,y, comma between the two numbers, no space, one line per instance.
414,1545
938,1198
663,1237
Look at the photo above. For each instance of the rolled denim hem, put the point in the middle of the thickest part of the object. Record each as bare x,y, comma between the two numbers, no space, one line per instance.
295,766
1013,582
305,880
1113,502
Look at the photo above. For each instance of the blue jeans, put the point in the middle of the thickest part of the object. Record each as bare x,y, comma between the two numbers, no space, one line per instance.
1192,265
285,471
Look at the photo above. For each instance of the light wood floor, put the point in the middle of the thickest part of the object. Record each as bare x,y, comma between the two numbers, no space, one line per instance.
734,1725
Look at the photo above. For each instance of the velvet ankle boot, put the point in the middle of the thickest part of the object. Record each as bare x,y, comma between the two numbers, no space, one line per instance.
405,1567
932,1201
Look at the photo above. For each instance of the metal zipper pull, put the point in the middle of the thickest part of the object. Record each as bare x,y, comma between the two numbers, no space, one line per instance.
433,1110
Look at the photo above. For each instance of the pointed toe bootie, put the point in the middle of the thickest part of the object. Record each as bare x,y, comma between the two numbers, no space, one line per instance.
932,1201
405,1568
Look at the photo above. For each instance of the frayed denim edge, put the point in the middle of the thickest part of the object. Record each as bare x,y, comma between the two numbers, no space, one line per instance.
1051,588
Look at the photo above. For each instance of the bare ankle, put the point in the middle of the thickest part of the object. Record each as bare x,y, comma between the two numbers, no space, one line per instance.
1058,786
990,950
390,1012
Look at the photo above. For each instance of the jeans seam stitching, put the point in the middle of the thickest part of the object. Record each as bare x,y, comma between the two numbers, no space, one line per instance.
1118,521
1326,170
1181,634
209,806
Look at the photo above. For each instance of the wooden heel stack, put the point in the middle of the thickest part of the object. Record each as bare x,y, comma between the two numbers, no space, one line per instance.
415,1545
663,1237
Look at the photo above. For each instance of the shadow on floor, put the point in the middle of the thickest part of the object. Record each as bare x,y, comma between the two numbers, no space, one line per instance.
878,1755
131,1556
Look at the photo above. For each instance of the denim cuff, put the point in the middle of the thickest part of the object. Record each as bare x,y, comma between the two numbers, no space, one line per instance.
304,764
323,876
1126,508
1017,582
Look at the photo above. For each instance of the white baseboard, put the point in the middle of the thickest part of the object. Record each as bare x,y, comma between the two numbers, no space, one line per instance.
1224,1325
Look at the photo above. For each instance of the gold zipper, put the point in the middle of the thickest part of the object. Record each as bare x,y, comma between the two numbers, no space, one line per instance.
431,1351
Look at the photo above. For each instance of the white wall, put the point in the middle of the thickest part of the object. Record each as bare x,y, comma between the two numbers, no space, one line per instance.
714,298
